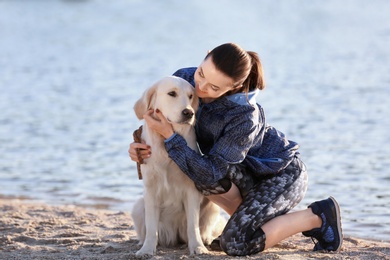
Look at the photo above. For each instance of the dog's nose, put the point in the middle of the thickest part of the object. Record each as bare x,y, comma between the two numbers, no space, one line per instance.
188,113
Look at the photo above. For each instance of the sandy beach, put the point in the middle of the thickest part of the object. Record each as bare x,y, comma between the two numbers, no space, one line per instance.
31,230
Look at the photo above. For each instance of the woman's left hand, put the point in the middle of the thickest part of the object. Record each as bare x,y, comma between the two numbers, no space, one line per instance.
158,123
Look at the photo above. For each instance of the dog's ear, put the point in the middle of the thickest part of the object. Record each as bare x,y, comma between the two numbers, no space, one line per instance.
146,101
195,102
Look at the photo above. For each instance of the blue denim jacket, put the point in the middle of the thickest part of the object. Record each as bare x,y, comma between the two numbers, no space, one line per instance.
230,130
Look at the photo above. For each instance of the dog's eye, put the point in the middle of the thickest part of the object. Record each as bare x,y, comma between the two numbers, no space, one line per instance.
172,94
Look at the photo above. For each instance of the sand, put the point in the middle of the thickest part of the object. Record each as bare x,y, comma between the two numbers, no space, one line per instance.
30,230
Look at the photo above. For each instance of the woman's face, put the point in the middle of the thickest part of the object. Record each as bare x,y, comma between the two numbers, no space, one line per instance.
210,83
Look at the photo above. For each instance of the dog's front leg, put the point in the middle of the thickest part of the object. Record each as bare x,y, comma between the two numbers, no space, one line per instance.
195,244
152,215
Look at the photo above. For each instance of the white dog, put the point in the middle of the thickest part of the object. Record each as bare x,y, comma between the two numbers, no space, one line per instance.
172,209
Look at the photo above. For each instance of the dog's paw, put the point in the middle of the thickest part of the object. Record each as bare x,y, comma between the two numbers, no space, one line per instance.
144,251
207,240
199,250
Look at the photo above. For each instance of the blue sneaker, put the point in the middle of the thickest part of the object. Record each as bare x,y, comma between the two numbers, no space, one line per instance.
329,235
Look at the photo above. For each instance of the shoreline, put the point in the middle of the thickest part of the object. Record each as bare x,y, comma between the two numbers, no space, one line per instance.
34,230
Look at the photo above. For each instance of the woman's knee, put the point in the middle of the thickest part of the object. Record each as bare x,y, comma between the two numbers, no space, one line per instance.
241,242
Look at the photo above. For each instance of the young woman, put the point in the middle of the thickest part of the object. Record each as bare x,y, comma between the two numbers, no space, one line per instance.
247,167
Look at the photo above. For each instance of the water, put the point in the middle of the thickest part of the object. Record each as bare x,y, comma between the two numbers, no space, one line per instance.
70,72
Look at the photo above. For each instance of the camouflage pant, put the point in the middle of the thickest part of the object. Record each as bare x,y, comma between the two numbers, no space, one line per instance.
269,197
236,174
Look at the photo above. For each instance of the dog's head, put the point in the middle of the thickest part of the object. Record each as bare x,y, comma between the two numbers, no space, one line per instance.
173,96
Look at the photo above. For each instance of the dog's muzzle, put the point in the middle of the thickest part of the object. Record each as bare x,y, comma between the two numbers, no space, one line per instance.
187,116
188,113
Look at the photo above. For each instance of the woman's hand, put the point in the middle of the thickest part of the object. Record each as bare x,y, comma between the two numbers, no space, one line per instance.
158,123
139,151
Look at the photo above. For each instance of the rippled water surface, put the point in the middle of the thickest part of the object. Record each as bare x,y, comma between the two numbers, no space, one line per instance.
70,72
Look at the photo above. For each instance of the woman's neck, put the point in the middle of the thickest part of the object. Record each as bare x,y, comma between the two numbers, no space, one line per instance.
207,100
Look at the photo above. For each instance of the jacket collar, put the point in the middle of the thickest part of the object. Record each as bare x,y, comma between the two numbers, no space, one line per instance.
244,98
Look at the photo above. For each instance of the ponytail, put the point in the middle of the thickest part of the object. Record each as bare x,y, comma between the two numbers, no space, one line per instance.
255,78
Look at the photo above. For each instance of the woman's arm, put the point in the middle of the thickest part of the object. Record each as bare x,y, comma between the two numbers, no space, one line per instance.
231,148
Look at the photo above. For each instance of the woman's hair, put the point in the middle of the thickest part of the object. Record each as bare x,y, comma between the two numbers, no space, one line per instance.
244,67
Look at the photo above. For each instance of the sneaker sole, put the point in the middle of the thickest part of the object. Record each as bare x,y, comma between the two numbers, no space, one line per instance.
339,229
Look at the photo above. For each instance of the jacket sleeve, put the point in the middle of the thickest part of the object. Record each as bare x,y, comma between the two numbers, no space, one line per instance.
186,74
231,148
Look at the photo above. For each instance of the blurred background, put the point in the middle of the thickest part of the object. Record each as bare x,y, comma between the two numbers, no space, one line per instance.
70,72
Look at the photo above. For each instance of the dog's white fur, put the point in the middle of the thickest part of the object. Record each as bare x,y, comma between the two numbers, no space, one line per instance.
172,209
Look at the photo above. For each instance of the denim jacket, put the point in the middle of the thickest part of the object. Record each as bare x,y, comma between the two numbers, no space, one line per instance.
230,130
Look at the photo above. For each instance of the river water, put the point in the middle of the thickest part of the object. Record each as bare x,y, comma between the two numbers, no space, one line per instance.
70,72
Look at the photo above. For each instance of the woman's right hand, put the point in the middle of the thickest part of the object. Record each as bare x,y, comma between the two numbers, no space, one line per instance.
139,151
